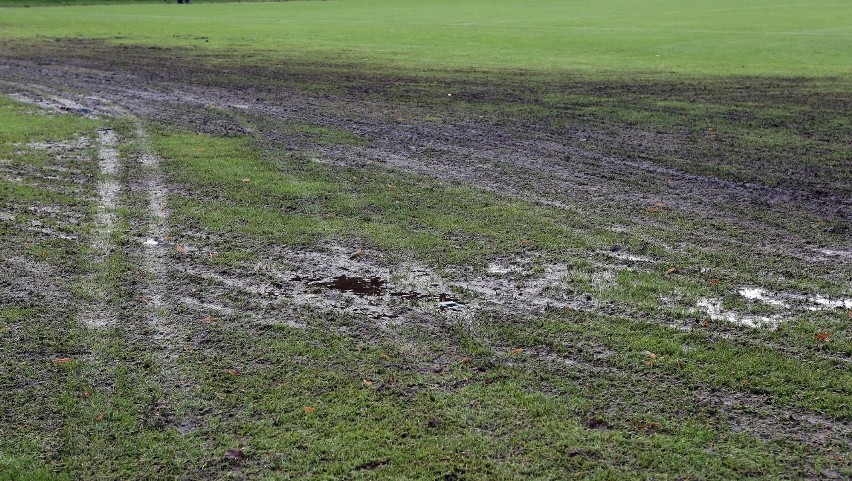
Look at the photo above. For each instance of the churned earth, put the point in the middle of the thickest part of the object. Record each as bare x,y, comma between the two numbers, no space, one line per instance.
215,269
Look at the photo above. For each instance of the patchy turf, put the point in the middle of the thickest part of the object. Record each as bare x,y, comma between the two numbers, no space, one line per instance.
236,271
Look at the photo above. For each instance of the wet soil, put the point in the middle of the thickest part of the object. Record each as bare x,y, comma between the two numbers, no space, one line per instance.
544,152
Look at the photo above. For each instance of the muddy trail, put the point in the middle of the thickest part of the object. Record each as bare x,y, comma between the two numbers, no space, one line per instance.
459,132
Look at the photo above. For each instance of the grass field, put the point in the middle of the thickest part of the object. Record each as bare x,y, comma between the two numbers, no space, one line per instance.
727,37
226,231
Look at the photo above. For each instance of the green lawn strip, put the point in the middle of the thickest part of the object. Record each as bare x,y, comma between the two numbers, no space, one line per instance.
293,200
90,417
772,37
23,123
498,423
696,356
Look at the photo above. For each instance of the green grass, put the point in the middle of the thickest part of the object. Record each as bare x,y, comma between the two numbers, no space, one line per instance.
564,394
692,37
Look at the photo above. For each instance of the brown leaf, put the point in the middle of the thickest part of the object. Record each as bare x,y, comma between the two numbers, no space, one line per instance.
391,379
715,282
660,204
653,209
400,120
28,245
367,382
671,271
87,394
526,242
356,254
213,255
309,409
234,372
517,350
705,323
181,249
62,360
643,426
209,319
465,360
823,336
100,417
235,454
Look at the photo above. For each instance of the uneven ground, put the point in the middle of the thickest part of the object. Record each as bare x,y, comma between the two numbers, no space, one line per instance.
228,271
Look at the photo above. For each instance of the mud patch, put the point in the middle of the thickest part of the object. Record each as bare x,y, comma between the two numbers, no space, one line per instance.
361,286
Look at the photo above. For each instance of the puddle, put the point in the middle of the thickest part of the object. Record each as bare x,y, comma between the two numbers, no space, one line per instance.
758,294
815,302
716,313
825,303
631,257
789,302
836,252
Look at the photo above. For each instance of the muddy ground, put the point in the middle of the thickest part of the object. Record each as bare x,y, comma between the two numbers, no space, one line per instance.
520,135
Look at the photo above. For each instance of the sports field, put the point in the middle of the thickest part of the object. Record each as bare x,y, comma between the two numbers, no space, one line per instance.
426,240
726,37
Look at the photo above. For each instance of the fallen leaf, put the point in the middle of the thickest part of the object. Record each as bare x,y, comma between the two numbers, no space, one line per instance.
100,417
367,382
705,323
245,180
143,300
465,360
653,209
309,409
526,242
235,454
671,271
356,254
234,372
62,360
181,249
87,394
391,379
400,120
715,282
28,245
213,255
643,426
660,204
823,336
209,319
516,351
